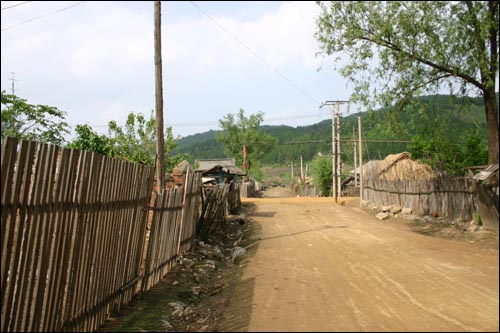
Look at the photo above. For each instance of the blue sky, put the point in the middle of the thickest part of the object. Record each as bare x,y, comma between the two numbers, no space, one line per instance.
95,61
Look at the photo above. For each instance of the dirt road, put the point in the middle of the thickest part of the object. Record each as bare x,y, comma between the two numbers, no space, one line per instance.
323,267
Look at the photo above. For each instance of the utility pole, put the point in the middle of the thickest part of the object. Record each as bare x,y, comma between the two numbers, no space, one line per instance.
160,143
12,79
337,170
291,167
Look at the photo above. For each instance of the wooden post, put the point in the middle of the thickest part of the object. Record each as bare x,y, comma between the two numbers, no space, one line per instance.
183,212
338,156
301,170
360,163
355,164
334,156
160,143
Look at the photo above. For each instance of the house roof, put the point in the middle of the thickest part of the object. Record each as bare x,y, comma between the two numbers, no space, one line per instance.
228,165
368,165
207,164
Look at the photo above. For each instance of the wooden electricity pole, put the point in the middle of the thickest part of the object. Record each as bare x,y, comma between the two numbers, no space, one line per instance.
160,143
336,162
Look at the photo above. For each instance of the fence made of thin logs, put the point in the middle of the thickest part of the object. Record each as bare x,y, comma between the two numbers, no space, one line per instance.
442,196
172,228
214,200
73,232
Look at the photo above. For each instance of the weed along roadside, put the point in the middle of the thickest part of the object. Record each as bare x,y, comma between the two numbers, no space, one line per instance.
195,293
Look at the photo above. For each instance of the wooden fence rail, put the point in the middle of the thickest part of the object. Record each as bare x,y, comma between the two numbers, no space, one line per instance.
73,233
445,196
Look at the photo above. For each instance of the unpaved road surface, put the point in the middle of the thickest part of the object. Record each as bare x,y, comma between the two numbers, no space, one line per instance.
316,266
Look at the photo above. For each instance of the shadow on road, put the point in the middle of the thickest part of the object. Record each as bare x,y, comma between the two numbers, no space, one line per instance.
264,214
302,232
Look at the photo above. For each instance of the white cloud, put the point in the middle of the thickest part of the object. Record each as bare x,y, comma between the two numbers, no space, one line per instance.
96,60
281,37
117,42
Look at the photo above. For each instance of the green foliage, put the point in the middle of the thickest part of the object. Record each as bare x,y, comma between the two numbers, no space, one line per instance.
88,139
419,45
401,49
478,219
475,152
321,170
238,131
439,118
201,146
440,154
32,122
446,154
136,142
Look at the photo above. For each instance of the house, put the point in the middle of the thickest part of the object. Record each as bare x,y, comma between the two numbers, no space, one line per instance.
218,170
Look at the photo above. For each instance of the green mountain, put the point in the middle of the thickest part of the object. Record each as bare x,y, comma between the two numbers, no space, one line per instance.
439,116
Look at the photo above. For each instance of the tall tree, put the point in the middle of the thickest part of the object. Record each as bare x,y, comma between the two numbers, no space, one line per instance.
399,49
32,122
240,134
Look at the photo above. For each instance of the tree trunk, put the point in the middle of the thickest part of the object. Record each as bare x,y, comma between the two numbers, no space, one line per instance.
490,106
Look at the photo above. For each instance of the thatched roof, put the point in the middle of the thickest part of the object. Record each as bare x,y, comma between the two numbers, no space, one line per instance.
398,167
366,167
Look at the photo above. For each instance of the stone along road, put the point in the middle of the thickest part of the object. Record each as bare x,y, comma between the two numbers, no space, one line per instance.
317,266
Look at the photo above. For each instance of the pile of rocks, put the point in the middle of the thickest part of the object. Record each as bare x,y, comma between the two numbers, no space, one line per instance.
396,211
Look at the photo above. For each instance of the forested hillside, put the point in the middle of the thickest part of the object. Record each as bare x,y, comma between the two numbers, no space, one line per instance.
439,118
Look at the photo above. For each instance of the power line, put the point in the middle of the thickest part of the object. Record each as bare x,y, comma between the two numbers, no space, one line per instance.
19,4
328,141
39,17
255,54
210,123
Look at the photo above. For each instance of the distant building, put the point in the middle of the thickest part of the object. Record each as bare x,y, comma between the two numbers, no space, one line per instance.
218,169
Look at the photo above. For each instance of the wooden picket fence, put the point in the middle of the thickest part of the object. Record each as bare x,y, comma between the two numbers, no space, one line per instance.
172,228
450,197
73,233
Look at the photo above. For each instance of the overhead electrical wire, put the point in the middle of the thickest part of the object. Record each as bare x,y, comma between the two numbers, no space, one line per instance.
210,123
255,54
19,4
41,16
